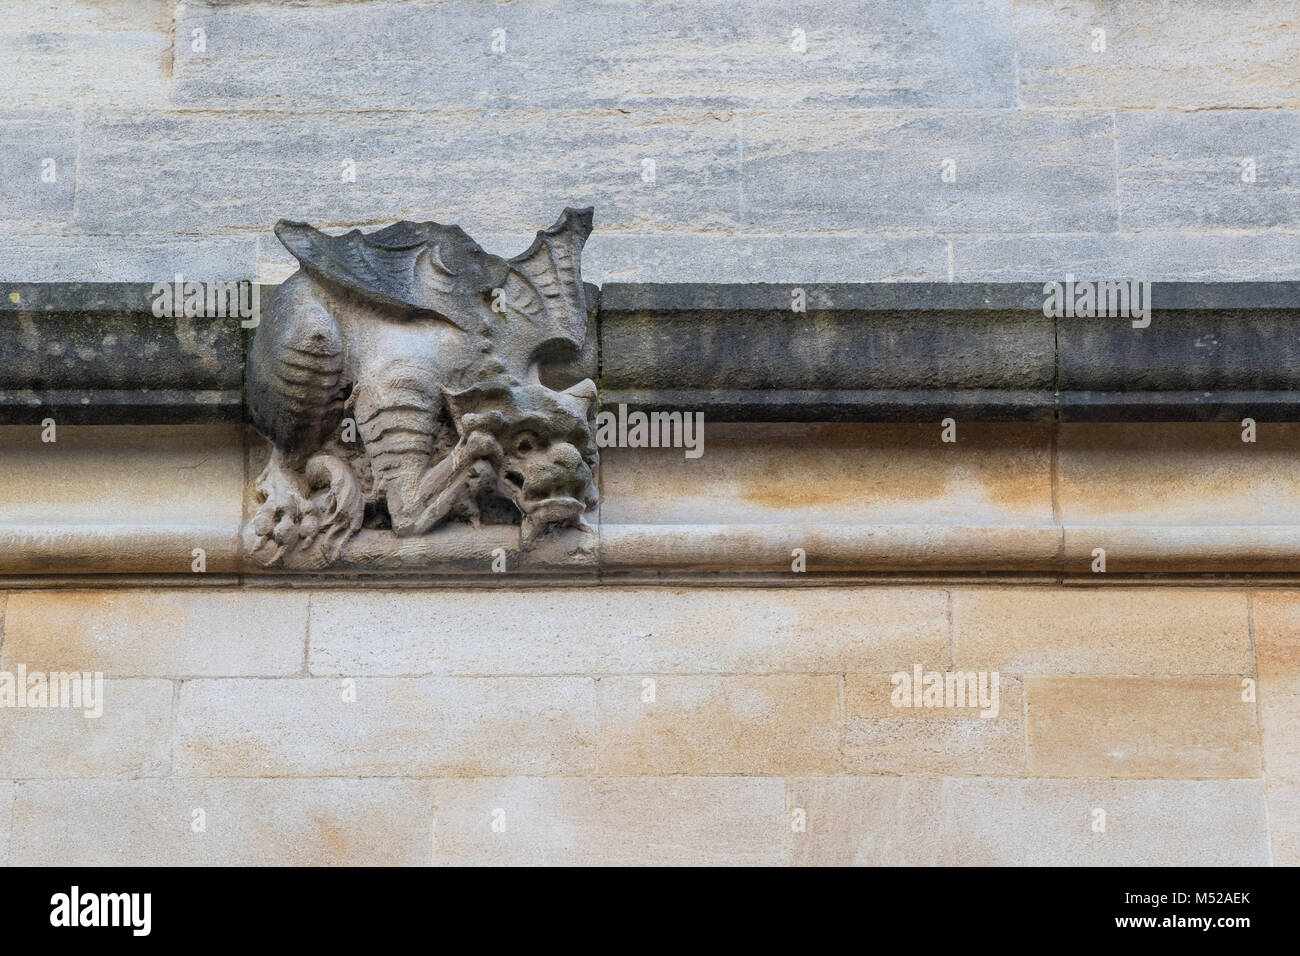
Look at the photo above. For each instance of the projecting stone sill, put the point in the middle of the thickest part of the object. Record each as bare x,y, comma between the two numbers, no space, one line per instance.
844,501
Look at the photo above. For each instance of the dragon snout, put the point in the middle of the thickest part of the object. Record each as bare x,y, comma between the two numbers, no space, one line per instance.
556,481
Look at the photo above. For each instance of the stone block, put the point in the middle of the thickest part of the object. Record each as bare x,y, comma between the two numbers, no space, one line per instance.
1109,630
882,738
453,727
773,725
159,633
604,821
625,631
223,823
987,821
1141,727
131,737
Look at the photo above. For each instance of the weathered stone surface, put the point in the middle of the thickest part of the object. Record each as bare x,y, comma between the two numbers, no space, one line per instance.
492,726
1284,822
1209,364
637,821
633,821
850,496
128,259
791,258
626,631
916,143
925,351
882,170
775,724
1176,473
573,55
1211,54
1101,631
160,633
98,354
882,738
1186,169
747,346
1144,256
107,337
837,473
1165,549
131,738
1141,727
55,68
1178,497
244,823
1276,619
288,161
687,550
871,498
39,177
6,804
860,820
90,16
982,821
406,168
564,550
1279,716
119,499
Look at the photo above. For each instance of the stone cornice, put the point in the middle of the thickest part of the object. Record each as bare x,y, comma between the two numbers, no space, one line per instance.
823,438
94,353
924,351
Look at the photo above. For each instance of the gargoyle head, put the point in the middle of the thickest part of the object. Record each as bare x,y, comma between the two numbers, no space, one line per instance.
548,456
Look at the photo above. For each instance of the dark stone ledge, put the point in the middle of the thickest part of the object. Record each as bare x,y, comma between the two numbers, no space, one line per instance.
921,351
844,405
922,296
95,353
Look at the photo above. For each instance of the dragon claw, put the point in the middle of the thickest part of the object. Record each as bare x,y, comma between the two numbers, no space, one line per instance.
289,520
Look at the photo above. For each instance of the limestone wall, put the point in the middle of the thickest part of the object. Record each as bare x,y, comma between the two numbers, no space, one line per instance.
635,726
711,148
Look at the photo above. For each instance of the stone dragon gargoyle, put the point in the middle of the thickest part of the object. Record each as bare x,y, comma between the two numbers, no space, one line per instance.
430,347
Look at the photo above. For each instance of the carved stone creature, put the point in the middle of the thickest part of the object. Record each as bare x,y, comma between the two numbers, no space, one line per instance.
432,346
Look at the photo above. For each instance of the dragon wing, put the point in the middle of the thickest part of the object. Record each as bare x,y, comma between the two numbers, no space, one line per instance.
400,266
543,290
426,268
